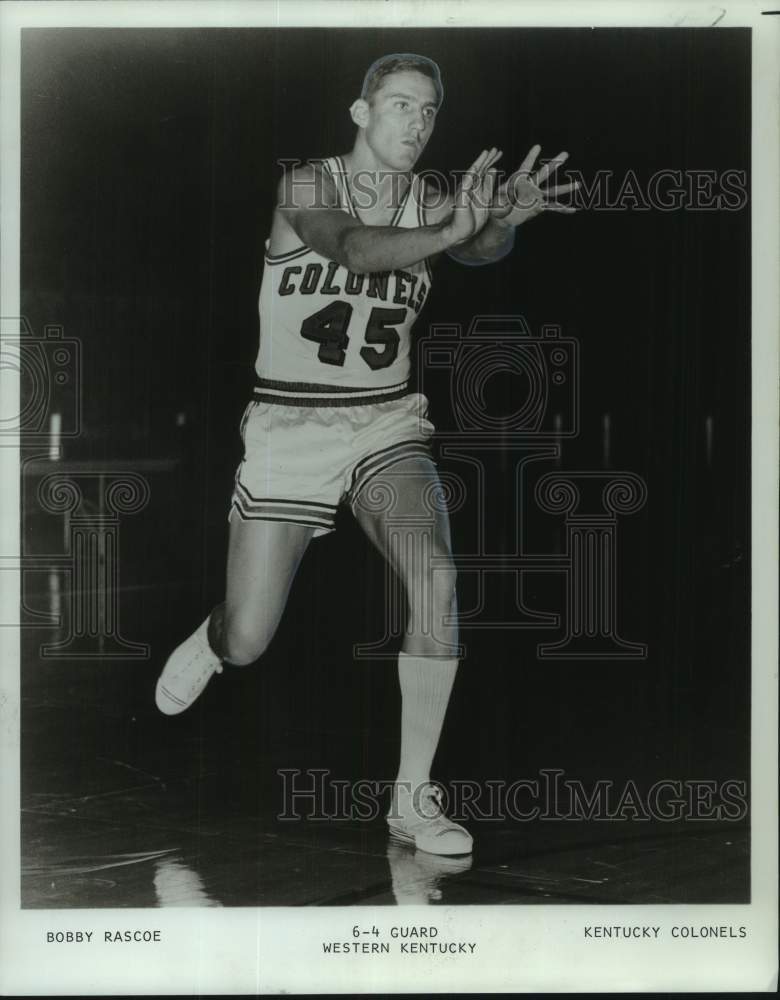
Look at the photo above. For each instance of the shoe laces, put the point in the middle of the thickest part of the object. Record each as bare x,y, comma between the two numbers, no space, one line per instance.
421,815
205,665
432,794
435,794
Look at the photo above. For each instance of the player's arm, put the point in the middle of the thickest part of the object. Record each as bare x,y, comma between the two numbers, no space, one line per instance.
307,202
493,240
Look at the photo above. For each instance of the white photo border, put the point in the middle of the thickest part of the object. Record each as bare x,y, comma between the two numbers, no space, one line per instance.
270,950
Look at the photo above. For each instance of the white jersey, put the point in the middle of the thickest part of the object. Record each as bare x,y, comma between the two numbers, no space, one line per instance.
332,337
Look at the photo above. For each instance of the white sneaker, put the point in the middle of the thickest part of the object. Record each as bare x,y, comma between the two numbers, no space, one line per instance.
187,672
419,820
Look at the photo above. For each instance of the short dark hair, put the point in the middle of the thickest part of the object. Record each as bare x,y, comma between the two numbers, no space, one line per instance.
400,62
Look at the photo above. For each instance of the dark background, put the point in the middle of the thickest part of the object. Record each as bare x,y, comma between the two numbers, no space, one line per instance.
148,174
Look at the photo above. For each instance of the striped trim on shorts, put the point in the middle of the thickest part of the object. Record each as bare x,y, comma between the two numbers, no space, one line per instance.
372,465
249,508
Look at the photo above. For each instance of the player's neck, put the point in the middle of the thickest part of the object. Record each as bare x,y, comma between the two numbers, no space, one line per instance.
388,185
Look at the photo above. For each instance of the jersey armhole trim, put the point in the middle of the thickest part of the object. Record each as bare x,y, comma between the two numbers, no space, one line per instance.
282,258
402,205
423,222
342,187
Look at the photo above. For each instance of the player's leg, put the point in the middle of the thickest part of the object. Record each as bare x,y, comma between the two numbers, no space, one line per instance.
402,513
263,557
281,500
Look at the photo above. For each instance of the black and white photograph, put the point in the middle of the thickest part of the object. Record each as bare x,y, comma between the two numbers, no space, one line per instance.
389,456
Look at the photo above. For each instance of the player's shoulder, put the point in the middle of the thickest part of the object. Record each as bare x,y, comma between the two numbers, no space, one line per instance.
306,185
434,199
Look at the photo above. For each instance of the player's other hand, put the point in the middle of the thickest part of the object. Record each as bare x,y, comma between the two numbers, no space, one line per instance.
473,200
522,196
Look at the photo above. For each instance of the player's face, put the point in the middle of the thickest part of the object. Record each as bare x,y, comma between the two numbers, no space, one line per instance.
402,117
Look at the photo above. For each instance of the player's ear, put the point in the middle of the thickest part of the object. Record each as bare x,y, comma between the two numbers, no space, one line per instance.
359,112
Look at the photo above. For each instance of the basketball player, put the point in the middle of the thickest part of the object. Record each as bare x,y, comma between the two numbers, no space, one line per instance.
347,270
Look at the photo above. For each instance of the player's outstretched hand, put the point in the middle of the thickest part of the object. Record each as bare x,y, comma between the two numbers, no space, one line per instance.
522,197
473,201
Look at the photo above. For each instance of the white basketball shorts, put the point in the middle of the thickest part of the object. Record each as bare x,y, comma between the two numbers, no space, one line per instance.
301,462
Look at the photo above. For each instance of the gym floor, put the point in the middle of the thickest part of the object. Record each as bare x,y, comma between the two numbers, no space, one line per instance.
122,807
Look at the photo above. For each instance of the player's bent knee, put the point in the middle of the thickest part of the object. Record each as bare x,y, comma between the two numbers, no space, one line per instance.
243,655
243,645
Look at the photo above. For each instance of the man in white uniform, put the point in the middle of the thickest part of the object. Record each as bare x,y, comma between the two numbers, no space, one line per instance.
347,270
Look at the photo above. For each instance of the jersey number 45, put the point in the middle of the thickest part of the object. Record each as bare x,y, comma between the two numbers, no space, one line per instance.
328,328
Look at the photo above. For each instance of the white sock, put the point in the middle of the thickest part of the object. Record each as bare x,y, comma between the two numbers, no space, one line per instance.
426,682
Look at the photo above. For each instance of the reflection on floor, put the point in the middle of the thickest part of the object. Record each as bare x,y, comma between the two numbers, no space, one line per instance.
75,861
99,831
